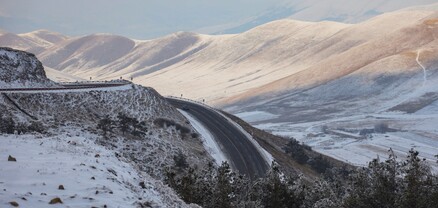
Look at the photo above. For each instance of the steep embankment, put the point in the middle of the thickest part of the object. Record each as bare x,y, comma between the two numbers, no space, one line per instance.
151,135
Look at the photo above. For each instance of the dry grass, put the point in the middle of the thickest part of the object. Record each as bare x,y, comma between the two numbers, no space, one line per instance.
431,22
409,54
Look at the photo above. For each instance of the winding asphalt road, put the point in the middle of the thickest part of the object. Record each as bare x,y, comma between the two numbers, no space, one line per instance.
244,156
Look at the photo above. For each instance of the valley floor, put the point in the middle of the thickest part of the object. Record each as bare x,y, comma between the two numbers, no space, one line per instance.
340,137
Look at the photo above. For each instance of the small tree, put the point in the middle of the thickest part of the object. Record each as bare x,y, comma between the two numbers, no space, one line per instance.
36,126
7,125
124,122
188,186
106,125
140,128
296,150
180,161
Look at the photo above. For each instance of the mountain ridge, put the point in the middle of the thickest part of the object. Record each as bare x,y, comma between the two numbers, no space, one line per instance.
248,63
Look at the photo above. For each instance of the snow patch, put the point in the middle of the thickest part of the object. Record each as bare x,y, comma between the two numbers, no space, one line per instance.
254,116
91,174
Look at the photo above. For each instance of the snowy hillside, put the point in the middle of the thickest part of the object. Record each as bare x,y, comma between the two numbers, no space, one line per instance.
294,71
21,69
59,76
313,10
105,143
225,68
89,173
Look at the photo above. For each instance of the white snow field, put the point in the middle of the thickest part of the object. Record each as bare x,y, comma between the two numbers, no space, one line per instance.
255,116
418,131
92,175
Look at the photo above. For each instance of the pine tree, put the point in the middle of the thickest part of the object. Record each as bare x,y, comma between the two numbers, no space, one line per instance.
417,183
223,187
180,161
7,125
106,125
375,186
124,122
187,187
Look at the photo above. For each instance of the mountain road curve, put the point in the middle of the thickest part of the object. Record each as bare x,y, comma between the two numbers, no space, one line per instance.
240,151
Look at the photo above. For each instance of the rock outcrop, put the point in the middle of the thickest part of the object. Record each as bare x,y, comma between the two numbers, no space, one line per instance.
20,69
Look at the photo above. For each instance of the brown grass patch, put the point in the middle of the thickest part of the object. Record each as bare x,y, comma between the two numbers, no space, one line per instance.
431,22
409,54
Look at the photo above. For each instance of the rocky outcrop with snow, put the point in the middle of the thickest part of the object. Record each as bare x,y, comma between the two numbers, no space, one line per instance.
20,69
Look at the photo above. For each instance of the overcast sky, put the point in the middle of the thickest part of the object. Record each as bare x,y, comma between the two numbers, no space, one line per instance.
146,19
132,18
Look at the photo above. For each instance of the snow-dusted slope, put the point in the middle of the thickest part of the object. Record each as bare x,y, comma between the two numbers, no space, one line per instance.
216,68
70,149
60,76
390,57
346,11
231,65
224,69
90,174
34,42
21,69
44,37
86,52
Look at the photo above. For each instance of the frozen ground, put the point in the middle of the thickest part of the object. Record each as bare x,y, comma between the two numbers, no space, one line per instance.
418,131
254,116
91,174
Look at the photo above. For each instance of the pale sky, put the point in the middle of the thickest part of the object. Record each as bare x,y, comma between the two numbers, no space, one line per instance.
133,18
146,19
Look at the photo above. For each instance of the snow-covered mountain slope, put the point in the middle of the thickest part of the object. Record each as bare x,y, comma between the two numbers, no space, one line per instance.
34,42
231,65
149,56
86,52
90,174
313,10
65,128
44,37
389,60
84,110
60,76
347,11
221,69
